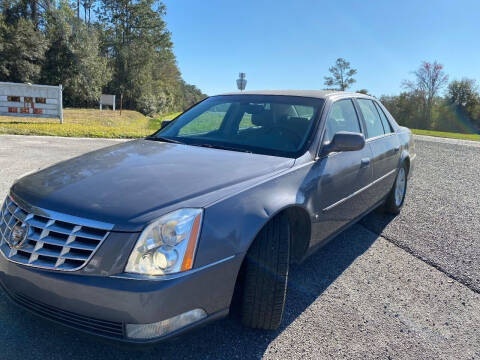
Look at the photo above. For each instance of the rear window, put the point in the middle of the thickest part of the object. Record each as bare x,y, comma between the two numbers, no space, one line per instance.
371,117
383,117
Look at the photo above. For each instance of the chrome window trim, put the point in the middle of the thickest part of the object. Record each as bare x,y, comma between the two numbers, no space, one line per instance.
341,201
379,137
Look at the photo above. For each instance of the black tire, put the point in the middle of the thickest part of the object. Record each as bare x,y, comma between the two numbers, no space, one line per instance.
265,275
391,205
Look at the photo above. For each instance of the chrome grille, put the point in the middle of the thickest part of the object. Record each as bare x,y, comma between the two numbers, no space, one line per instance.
50,243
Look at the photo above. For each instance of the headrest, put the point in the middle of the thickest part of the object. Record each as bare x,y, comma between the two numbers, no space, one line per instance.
297,123
264,118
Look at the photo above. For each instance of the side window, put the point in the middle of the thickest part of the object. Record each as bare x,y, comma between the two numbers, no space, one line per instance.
342,117
385,122
372,119
206,122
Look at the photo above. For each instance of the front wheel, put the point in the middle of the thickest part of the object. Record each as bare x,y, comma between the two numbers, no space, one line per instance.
265,276
396,197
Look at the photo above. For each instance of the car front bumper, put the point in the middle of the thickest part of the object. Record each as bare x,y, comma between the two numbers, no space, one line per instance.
104,305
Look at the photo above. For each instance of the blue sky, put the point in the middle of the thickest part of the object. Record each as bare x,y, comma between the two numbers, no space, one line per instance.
291,44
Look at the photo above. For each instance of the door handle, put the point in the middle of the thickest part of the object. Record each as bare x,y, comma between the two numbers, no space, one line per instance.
365,162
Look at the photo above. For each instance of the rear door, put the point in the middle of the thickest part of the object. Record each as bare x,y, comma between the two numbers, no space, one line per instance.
340,176
385,148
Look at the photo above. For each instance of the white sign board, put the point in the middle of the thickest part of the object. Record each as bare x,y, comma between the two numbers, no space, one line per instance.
106,99
41,101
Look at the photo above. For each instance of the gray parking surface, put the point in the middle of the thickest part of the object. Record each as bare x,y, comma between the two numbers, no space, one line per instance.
441,220
412,292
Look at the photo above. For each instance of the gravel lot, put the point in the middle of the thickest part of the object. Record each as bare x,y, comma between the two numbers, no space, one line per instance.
404,287
440,222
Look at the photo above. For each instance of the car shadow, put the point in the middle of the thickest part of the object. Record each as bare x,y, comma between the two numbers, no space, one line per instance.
32,337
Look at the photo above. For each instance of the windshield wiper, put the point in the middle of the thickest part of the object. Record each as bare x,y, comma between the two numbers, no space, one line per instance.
161,138
211,146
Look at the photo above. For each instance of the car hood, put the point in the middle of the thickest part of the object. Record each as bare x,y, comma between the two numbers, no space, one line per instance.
124,183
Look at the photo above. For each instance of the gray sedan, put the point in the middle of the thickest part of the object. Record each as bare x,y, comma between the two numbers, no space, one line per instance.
144,240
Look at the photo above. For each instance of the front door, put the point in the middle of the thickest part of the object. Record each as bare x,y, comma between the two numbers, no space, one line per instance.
342,176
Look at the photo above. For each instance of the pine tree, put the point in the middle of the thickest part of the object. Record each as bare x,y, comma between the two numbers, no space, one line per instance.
342,75
22,49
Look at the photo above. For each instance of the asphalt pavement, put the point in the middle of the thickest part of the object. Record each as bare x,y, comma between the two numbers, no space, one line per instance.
405,287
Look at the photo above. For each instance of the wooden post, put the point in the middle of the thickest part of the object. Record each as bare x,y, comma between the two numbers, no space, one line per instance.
121,103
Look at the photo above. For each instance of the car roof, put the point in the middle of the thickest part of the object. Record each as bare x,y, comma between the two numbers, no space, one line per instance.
319,94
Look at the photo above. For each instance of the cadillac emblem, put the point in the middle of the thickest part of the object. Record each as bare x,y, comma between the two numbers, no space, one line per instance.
18,235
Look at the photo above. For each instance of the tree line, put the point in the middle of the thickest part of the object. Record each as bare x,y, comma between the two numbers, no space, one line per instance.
123,47
428,101
91,47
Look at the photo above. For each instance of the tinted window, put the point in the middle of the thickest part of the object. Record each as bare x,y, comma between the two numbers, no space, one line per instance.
372,119
246,121
207,121
266,124
386,124
342,117
303,111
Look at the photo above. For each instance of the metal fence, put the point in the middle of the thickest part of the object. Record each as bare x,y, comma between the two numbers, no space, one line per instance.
27,100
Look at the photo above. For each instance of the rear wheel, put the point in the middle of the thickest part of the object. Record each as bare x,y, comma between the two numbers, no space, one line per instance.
396,197
265,274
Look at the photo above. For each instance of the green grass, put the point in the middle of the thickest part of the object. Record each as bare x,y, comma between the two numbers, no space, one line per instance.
86,123
154,123
109,124
474,137
208,121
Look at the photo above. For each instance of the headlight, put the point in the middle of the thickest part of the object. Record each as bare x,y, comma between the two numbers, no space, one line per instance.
167,245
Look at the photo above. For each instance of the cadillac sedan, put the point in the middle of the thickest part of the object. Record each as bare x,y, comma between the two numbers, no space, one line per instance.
146,239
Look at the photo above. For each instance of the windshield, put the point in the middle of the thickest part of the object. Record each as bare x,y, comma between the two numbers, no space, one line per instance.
263,124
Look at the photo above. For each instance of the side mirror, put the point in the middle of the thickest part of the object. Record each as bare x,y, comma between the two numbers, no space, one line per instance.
164,123
344,141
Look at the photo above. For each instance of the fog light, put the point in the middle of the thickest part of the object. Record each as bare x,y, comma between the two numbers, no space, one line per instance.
164,327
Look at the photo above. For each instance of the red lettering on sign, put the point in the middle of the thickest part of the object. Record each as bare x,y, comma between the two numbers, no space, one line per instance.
25,110
37,111
12,110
